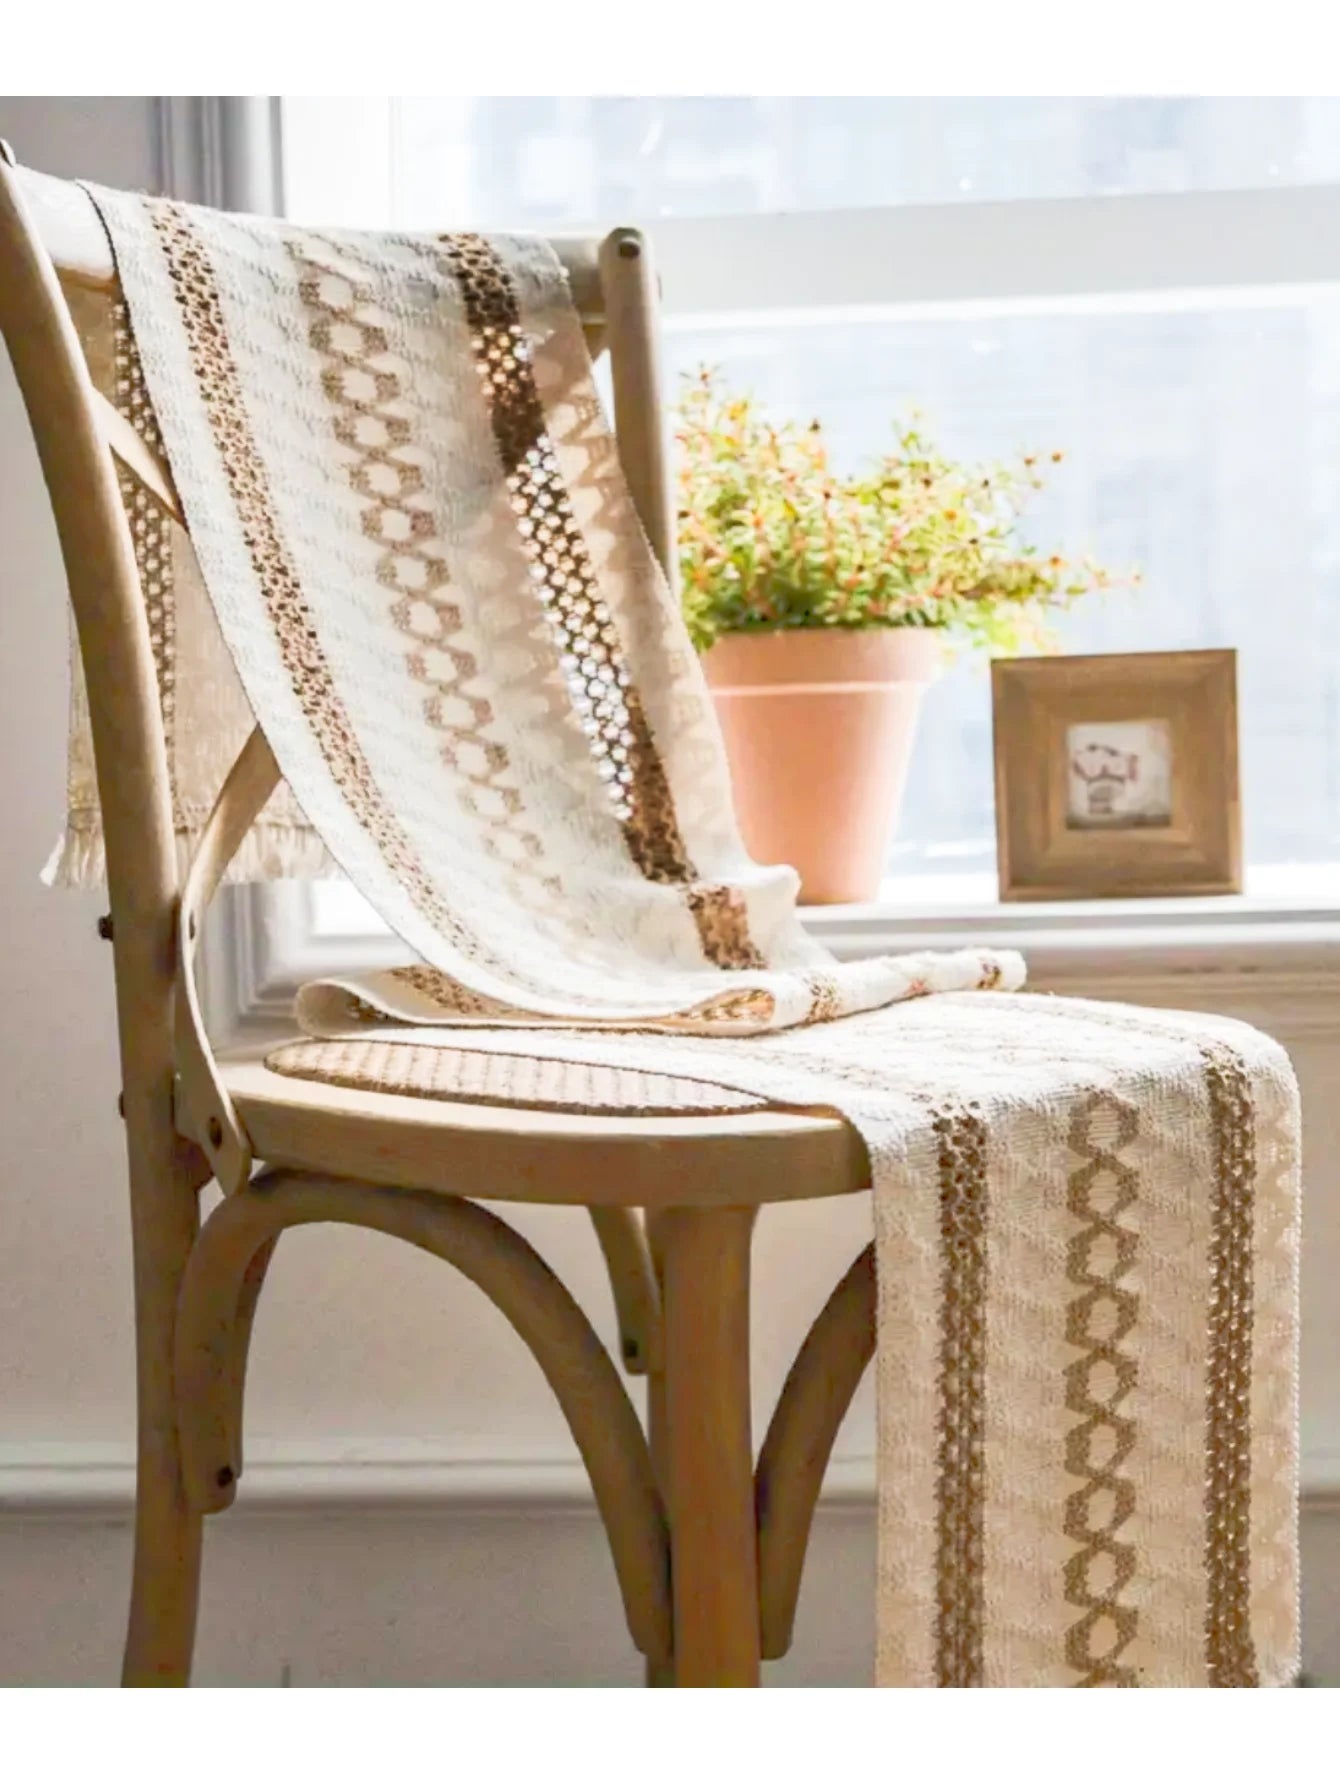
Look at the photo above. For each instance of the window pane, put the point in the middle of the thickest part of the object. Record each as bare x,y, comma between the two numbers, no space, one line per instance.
1203,446
543,163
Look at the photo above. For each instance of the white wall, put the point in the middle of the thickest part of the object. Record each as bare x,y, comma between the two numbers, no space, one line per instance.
361,1344
65,1362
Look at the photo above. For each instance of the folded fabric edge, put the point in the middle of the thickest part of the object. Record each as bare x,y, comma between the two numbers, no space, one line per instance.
409,996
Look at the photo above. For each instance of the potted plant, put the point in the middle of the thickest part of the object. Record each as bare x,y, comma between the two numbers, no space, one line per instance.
824,605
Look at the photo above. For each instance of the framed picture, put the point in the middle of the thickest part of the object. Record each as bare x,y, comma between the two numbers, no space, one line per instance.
1117,776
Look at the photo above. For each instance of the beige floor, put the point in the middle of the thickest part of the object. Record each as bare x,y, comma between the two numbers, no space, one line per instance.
447,1598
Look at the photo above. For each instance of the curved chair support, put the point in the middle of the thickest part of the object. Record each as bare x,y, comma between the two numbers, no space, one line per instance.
219,1291
637,1295
248,1299
791,1465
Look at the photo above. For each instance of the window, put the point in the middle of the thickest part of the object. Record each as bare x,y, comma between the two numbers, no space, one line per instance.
1151,284
547,164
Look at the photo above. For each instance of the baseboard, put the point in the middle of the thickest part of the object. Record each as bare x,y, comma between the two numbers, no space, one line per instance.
43,1480
82,1480
99,1480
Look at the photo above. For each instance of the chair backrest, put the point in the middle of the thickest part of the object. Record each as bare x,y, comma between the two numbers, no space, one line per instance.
51,237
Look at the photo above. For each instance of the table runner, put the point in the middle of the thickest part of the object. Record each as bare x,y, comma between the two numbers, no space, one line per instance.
1086,1225
411,525
207,727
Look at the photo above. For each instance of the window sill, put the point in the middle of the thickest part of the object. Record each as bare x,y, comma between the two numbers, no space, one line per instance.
1271,957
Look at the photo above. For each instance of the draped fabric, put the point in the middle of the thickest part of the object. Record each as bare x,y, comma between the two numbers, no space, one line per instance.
207,726
415,542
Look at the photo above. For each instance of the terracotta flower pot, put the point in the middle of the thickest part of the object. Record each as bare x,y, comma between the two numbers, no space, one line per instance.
819,728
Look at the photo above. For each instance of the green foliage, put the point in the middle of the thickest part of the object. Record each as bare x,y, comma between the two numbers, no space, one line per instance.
771,537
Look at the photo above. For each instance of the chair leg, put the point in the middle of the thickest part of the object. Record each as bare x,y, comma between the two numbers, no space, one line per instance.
165,1583
709,1468
657,1673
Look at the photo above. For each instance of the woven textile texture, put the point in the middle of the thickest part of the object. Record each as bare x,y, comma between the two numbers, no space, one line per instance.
412,531
209,725
1086,1222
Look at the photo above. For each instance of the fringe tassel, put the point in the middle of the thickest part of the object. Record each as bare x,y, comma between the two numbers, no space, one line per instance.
269,852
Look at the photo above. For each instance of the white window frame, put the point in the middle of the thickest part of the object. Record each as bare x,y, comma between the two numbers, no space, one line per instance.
1276,960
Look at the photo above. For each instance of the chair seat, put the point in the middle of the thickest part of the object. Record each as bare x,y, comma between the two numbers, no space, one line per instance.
375,1062
673,1143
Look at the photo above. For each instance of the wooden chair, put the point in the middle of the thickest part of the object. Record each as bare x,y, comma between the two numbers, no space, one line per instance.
708,1548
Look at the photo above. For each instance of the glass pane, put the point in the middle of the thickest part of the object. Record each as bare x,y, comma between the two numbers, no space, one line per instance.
547,163
1202,445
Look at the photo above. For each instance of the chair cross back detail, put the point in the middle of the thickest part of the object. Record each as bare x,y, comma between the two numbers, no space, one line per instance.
396,1164
58,225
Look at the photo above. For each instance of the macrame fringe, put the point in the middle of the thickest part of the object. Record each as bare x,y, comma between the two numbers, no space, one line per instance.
269,852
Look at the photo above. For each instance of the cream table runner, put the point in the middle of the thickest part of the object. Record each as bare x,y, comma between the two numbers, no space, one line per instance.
410,525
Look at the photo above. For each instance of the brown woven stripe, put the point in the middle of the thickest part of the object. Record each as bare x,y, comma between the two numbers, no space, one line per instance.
606,699
960,1455
368,390
151,532
1229,1650
825,997
295,630
723,926
604,696
1100,1316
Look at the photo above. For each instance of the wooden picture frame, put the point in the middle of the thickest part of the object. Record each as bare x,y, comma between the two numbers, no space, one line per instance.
1117,776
